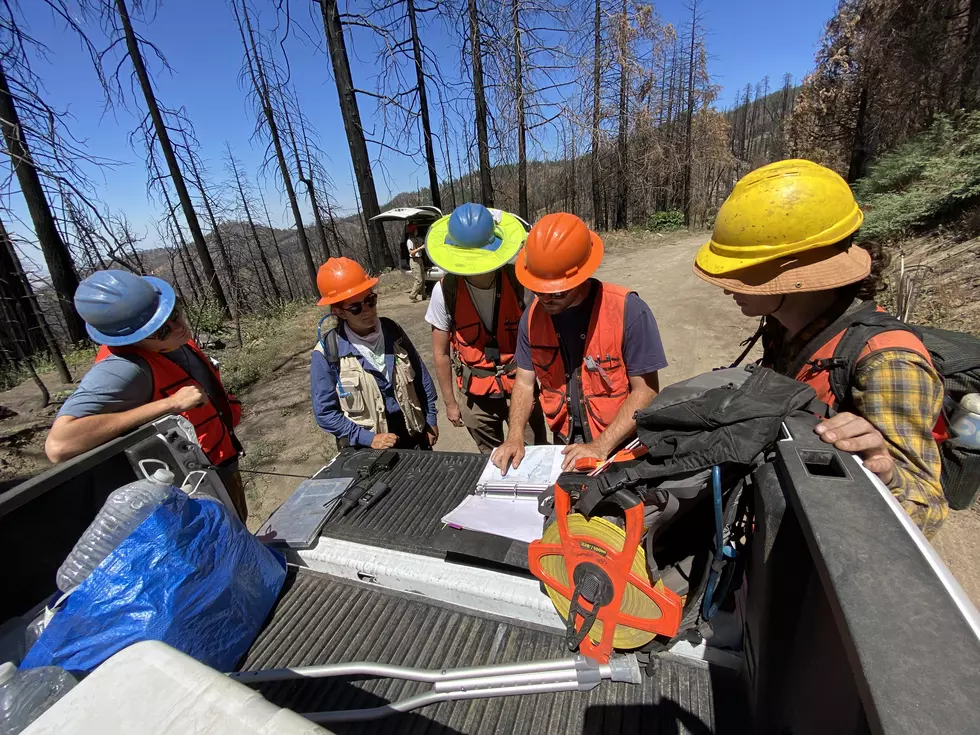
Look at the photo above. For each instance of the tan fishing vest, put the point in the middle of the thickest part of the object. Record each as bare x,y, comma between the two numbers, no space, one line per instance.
361,399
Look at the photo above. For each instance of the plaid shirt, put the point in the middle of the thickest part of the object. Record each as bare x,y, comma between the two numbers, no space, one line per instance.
901,395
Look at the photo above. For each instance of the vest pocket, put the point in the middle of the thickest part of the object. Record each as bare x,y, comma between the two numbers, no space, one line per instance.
351,395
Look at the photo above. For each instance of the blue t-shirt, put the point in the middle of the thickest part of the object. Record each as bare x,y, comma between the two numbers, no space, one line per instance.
643,352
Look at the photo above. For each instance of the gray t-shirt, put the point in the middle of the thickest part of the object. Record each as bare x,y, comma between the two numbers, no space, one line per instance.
118,384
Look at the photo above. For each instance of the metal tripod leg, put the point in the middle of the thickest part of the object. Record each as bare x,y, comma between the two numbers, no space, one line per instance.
577,673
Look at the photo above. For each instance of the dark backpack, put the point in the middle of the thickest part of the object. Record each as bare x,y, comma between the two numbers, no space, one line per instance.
450,289
956,357
727,419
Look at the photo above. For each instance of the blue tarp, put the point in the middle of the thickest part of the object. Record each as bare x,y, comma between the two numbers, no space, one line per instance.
191,576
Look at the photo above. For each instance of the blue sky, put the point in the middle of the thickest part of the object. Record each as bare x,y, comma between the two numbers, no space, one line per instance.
746,40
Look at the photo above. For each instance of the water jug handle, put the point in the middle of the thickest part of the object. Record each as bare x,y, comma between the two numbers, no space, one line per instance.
202,473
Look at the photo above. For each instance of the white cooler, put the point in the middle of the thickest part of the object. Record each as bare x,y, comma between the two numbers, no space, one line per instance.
151,688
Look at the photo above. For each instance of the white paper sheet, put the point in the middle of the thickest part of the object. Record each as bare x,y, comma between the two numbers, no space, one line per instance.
539,469
515,518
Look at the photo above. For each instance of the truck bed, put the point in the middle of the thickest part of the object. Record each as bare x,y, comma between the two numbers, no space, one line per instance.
322,619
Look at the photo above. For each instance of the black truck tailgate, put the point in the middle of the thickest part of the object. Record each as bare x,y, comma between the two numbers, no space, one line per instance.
322,619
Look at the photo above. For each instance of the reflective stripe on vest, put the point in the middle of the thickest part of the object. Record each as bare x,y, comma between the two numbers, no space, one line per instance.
481,376
213,424
361,399
602,393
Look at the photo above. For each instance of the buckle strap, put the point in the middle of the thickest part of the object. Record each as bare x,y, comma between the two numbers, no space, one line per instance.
469,371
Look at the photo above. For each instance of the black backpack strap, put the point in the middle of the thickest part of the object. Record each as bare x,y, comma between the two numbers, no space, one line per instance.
842,322
749,343
329,340
450,287
849,349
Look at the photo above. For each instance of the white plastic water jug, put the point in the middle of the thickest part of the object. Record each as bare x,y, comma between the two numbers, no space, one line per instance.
965,421
122,514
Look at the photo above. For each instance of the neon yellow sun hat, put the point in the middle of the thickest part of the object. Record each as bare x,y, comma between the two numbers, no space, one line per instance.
781,209
474,240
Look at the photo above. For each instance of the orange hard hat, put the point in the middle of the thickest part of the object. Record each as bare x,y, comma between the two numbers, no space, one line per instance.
561,253
341,278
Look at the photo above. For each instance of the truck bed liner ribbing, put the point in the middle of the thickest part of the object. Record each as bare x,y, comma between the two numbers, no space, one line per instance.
321,619
424,487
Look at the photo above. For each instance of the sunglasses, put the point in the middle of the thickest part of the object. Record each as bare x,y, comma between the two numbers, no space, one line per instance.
555,296
168,326
358,306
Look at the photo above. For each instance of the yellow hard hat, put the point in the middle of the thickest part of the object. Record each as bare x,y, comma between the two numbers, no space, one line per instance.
781,209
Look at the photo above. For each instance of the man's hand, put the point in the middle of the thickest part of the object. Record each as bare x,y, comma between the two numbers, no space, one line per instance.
509,454
851,433
432,433
575,452
384,441
453,414
188,397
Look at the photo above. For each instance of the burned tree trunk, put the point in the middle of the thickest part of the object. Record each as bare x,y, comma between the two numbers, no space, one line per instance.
521,125
307,180
56,255
596,97
163,138
689,136
480,101
287,277
254,230
26,306
377,242
430,155
261,85
620,221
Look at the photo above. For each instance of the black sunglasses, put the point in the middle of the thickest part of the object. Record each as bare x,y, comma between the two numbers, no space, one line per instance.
167,329
358,306
555,296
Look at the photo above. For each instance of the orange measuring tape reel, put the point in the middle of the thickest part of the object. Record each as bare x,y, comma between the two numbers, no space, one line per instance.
596,575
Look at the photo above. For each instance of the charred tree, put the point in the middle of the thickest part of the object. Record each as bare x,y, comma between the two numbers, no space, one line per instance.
56,255
430,155
260,84
480,102
521,123
251,225
597,207
334,31
166,147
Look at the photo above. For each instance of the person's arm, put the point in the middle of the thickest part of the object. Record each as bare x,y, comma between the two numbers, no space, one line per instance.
897,399
70,435
444,373
326,405
431,396
511,452
643,389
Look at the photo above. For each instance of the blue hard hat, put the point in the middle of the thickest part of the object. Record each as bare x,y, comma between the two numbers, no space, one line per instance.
472,226
121,308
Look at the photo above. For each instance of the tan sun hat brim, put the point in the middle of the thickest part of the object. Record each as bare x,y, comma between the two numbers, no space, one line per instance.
814,270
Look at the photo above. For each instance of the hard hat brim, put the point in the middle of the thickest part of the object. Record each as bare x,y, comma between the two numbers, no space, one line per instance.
564,283
718,258
475,261
814,270
164,308
348,293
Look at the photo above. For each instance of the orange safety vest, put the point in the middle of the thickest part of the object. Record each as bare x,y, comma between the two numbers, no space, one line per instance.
601,392
479,374
213,424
